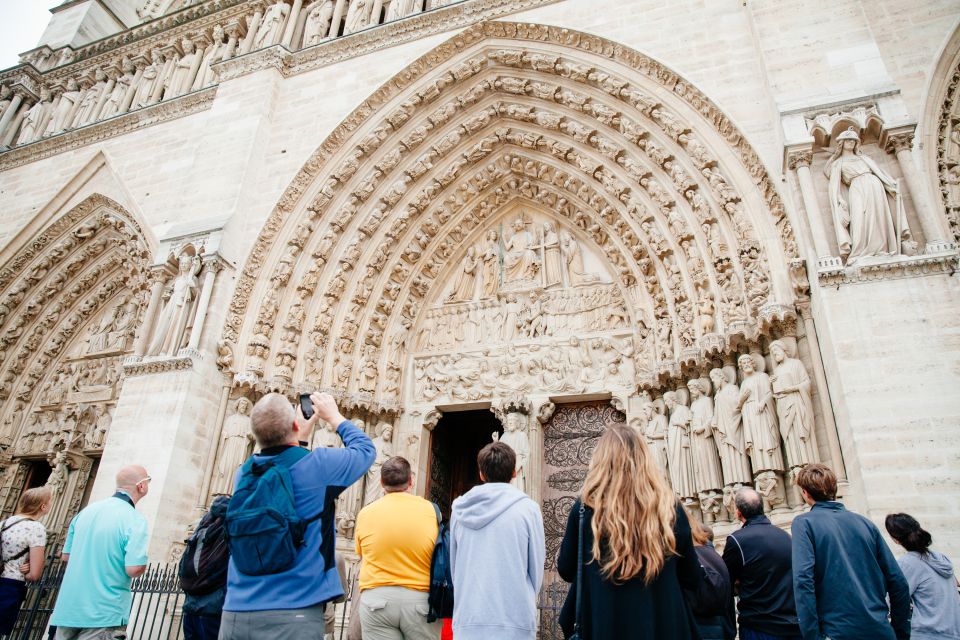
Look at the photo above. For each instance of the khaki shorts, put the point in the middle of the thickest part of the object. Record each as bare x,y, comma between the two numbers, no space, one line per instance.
93,633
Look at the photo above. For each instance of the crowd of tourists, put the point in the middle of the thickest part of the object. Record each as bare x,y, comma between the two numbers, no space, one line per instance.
263,563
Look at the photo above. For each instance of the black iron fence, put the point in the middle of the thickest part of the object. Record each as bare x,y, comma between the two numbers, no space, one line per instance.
156,613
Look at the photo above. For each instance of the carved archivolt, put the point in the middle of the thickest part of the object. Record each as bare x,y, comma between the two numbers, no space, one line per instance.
622,154
70,302
948,152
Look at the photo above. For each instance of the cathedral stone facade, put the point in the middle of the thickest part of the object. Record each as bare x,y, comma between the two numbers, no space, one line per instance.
732,225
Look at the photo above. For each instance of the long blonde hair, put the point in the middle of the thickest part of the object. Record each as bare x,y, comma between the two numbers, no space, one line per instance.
633,508
32,501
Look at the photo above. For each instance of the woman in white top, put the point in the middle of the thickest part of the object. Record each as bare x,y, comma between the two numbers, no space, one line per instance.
23,541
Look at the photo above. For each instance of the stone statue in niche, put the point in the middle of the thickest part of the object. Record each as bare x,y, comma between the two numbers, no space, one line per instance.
30,130
573,258
552,260
865,224
520,262
490,265
181,78
466,282
656,433
148,80
678,443
86,113
706,465
401,8
121,86
317,25
383,444
271,27
791,390
97,436
325,436
236,444
358,16
69,98
171,328
728,429
515,435
213,54
759,416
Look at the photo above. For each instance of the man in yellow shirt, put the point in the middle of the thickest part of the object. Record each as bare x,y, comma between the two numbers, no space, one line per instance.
395,536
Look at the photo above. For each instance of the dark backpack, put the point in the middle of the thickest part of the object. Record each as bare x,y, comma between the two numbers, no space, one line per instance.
713,594
440,598
264,530
203,566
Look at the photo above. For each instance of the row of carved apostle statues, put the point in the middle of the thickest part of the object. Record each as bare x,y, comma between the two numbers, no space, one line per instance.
186,64
728,436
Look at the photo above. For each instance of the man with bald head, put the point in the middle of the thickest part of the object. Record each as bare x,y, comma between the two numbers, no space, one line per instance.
759,559
106,547
289,605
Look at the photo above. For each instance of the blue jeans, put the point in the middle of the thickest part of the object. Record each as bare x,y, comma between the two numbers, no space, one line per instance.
749,634
200,627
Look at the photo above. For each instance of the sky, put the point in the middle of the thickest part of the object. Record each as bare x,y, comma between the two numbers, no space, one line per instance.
21,24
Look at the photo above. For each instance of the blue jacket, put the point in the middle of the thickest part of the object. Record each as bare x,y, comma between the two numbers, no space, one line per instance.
317,479
842,573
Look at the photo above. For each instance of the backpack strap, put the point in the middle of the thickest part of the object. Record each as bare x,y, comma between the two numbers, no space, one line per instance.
436,509
10,526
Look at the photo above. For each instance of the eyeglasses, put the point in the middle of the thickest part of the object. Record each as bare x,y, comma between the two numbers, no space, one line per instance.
146,479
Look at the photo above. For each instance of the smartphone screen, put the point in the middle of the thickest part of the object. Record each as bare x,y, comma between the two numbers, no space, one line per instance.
306,406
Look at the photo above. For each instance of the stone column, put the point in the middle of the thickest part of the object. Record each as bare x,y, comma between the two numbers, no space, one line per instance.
800,163
292,20
11,112
247,43
107,90
338,12
233,36
934,232
156,291
8,136
209,276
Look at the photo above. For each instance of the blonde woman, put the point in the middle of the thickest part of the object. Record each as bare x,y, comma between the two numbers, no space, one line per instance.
637,549
22,544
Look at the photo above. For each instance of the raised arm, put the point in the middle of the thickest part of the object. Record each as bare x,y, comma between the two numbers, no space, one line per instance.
347,465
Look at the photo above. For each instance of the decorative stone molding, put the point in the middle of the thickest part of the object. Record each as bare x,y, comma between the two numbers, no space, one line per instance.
946,263
105,129
147,366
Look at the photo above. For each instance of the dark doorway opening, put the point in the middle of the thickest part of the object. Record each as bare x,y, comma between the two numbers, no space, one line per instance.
37,475
454,445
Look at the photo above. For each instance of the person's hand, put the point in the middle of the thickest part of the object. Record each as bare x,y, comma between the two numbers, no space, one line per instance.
305,427
325,407
25,568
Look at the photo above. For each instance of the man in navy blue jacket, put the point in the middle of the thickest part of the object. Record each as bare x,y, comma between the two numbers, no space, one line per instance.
289,605
843,569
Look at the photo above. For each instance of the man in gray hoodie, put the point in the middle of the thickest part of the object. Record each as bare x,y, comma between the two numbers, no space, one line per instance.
496,552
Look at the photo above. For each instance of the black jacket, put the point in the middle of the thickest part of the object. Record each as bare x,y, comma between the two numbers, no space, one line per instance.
712,602
758,557
631,610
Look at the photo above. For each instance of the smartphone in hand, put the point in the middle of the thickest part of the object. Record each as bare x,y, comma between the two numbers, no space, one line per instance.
306,405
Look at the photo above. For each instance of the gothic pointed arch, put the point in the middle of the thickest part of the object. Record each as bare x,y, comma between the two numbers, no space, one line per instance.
608,144
940,131
70,301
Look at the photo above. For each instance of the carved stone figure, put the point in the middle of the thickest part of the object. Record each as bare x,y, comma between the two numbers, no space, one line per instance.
759,417
121,86
358,16
326,436
32,126
271,27
235,447
791,389
214,53
706,464
465,284
656,434
490,270
151,76
87,111
402,8
317,25
573,257
520,261
383,443
169,332
864,223
181,77
552,260
678,442
515,435
728,429
63,112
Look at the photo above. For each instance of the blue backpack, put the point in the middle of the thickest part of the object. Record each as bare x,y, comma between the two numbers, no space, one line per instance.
264,531
440,597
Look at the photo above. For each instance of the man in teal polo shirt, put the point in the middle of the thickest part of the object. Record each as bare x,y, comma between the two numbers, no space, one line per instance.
106,547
